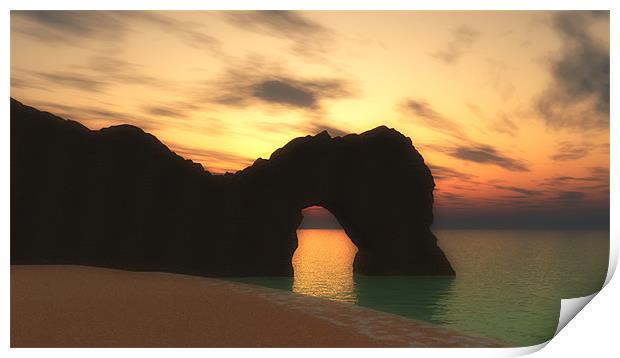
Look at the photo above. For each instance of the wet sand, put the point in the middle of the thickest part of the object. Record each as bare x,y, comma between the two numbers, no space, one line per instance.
78,306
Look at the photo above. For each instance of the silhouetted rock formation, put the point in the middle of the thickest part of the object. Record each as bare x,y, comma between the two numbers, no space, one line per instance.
118,197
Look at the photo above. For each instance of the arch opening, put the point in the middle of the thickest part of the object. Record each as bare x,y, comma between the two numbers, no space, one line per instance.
323,260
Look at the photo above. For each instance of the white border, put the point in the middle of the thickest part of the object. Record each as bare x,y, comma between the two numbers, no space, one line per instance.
311,5
592,333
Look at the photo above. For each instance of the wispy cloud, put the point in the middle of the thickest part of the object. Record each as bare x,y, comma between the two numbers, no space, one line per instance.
499,79
89,114
463,37
446,173
164,111
116,71
65,26
571,196
254,83
179,110
578,95
561,179
445,198
24,81
315,127
600,171
215,161
570,151
76,27
503,124
486,154
71,79
309,38
597,179
428,117
471,151
97,74
283,91
286,92
523,191
310,127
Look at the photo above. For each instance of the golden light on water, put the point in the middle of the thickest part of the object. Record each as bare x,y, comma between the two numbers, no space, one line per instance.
323,264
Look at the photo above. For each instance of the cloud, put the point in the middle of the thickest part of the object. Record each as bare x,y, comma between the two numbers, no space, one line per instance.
179,116
149,120
20,81
423,109
578,95
486,154
505,125
600,172
84,113
96,75
463,38
523,191
451,196
114,70
480,153
444,173
76,26
164,111
215,161
254,82
95,117
278,22
311,127
569,151
89,80
501,123
283,91
431,118
562,179
320,127
571,195
309,38
499,78
73,80
65,25
598,178
444,198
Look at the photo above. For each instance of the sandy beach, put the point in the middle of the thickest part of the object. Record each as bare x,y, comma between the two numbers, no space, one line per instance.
77,306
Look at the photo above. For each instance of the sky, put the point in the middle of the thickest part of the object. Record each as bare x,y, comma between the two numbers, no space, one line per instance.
509,109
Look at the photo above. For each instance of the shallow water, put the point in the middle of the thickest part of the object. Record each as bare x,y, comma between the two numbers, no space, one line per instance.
508,284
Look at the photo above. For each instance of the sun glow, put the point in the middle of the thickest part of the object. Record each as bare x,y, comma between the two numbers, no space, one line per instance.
466,87
323,264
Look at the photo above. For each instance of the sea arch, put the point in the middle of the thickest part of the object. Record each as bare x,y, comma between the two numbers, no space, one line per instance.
376,184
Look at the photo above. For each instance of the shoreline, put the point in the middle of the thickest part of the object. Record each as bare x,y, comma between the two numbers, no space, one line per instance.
80,306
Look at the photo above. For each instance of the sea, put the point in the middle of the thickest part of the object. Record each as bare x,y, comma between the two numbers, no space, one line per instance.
508,283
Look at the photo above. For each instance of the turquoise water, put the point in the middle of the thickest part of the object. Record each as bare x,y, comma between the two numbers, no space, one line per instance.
508,284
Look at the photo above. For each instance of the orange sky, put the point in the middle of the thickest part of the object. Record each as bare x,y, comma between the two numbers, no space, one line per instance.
510,109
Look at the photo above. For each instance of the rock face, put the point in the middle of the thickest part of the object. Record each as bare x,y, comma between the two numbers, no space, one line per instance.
117,197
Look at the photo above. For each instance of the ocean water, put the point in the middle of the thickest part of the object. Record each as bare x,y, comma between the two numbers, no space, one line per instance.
508,283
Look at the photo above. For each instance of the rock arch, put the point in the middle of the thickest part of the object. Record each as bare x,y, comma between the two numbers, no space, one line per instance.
376,184
118,197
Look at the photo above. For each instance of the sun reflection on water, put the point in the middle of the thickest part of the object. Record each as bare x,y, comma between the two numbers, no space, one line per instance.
323,264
